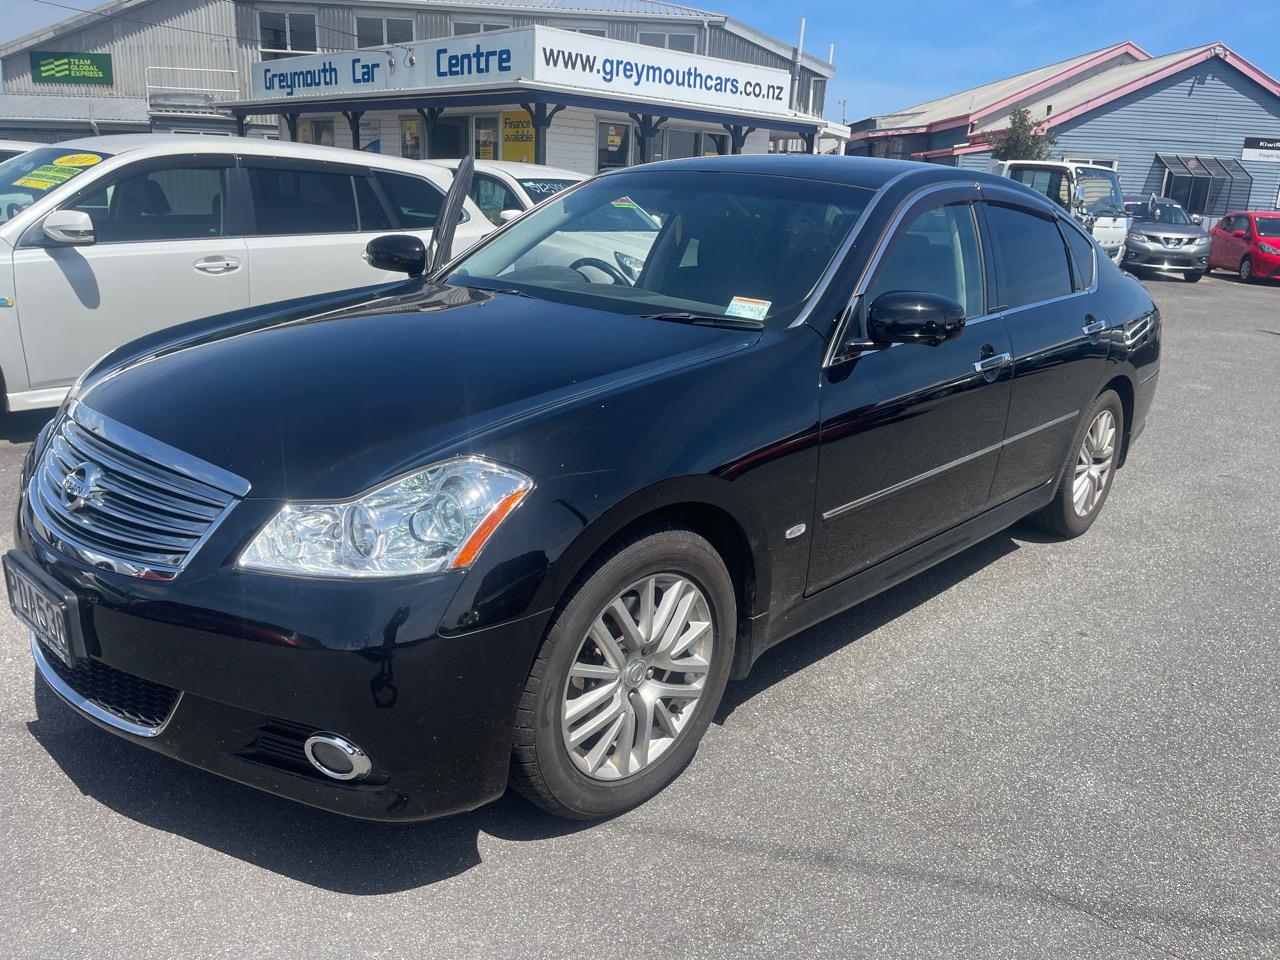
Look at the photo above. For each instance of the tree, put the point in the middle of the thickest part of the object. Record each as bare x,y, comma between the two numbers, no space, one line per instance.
1023,140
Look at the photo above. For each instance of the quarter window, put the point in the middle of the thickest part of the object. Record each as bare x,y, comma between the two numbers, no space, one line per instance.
182,203
415,201
935,252
1033,259
289,201
285,34
1082,257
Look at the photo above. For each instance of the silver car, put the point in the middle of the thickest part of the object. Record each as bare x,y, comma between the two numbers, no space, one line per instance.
1163,239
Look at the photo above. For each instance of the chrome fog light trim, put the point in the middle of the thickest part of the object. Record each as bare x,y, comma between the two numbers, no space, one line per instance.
336,757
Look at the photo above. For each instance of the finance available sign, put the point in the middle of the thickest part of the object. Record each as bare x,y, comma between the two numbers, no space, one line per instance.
48,66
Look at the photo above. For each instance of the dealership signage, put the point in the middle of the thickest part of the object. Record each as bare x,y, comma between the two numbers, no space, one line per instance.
1266,149
50,67
533,55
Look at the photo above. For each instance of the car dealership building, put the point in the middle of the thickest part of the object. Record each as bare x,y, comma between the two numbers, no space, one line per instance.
583,84
1201,126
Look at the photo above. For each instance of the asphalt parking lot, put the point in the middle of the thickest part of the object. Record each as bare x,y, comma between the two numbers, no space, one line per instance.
1037,749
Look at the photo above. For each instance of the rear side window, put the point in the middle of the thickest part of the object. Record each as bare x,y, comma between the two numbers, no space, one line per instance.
415,201
289,201
1033,258
1081,248
179,203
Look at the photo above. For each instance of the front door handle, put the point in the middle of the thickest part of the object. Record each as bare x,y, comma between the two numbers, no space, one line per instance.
1094,327
217,265
987,364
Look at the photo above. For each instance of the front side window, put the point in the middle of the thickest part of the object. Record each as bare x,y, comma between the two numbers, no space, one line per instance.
1033,259
717,246
179,203
493,196
291,201
30,176
1102,194
936,251
285,34
415,201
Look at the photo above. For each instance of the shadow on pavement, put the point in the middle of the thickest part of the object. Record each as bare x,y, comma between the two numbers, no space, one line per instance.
367,858
23,427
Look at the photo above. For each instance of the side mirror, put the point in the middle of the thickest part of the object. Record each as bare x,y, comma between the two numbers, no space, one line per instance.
71,228
1196,218
401,252
1239,233
506,216
914,317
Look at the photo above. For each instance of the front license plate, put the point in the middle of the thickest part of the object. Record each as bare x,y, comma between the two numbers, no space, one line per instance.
47,614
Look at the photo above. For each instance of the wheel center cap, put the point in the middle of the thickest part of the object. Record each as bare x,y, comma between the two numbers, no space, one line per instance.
635,673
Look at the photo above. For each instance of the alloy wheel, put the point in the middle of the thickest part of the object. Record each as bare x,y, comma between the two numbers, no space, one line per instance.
1246,269
637,676
1093,463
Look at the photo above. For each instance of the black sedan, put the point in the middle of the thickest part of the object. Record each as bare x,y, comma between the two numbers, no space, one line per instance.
521,520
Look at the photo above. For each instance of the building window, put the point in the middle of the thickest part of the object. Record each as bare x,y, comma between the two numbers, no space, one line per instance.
319,132
684,42
411,138
591,31
487,138
380,31
613,145
463,27
1205,185
285,34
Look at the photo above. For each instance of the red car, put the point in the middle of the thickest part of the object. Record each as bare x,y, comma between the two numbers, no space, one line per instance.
1248,244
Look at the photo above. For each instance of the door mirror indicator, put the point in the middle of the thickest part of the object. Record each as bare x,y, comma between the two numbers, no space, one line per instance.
914,317
71,228
400,252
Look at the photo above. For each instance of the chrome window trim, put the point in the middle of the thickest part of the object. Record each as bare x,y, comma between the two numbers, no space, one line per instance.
901,485
88,707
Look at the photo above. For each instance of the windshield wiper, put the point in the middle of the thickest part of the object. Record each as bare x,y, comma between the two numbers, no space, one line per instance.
706,320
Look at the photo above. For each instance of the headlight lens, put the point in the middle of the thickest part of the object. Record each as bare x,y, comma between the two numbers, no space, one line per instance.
1137,235
436,519
1269,248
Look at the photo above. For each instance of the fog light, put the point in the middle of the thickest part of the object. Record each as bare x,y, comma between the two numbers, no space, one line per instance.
336,756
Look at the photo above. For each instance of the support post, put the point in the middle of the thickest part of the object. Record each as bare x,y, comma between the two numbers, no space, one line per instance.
647,127
291,121
429,117
738,134
240,124
541,118
810,141
353,121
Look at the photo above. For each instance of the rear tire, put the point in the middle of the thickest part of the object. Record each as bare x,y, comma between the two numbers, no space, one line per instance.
1091,467
644,723
1246,270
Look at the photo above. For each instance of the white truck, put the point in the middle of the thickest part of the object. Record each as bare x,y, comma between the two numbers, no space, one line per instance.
1090,192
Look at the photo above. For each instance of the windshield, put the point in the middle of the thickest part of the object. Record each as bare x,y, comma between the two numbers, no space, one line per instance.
1101,188
713,245
37,173
1162,211
541,188
1267,226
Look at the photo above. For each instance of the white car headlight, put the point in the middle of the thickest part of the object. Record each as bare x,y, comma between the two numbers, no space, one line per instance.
436,519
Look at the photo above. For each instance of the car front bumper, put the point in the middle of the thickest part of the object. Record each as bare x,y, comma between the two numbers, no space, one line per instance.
1266,265
1155,256
254,664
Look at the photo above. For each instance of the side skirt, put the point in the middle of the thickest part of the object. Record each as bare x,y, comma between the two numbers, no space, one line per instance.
768,630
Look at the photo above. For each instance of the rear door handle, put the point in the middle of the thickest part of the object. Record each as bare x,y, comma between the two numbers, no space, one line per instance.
987,364
1094,327
217,265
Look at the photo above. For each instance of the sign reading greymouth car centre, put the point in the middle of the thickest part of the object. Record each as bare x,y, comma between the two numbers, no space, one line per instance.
535,55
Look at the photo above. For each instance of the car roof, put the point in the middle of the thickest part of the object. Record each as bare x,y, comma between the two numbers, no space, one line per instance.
516,169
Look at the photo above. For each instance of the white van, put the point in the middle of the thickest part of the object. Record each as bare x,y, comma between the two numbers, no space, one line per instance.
106,239
1090,192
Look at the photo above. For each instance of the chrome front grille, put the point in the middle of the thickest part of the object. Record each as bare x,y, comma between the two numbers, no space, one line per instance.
119,500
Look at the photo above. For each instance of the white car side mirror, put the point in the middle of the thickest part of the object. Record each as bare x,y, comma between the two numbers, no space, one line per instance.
506,216
69,227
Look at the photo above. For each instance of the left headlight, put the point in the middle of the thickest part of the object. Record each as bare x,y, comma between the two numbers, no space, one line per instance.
438,518
1269,248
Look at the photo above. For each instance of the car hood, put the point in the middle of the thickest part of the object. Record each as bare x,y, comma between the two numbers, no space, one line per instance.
1170,229
323,403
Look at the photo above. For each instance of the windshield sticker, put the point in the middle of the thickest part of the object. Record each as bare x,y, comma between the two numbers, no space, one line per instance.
48,176
78,160
626,203
748,308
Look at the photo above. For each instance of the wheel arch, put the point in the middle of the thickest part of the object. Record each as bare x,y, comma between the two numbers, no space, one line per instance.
1123,386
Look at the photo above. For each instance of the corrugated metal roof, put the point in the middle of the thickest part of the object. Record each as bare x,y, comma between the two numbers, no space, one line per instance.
53,108
978,98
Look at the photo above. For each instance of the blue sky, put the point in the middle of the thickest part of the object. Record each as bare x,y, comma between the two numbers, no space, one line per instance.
892,54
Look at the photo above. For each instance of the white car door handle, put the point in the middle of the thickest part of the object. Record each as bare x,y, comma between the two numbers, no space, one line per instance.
217,265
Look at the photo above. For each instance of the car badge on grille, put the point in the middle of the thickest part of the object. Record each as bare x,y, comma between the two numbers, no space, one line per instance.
80,484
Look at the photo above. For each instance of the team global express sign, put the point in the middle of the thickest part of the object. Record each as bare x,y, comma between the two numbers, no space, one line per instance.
50,67
532,54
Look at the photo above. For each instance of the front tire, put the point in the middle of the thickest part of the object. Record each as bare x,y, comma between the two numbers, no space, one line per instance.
1086,479
628,677
1194,276
1246,270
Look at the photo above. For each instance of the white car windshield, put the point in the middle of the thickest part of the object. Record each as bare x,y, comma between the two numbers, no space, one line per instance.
29,176
714,246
